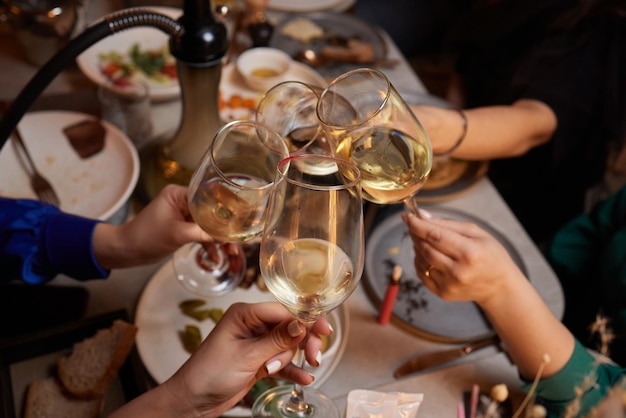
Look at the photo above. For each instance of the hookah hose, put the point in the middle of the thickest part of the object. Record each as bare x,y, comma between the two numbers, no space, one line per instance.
112,23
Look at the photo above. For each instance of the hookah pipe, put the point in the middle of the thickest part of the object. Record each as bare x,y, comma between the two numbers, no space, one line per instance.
195,39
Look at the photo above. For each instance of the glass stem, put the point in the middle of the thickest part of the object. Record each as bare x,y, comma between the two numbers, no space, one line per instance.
296,404
411,204
211,257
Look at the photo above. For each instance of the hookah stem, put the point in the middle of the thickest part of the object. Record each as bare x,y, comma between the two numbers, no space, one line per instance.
112,23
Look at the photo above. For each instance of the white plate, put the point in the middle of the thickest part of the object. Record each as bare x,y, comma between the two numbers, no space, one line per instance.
160,320
147,37
303,5
94,187
233,85
335,25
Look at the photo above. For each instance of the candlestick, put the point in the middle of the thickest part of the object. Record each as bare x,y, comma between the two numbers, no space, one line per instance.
390,296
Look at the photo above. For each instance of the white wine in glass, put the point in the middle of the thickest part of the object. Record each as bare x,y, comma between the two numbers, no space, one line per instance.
311,259
227,195
393,165
370,124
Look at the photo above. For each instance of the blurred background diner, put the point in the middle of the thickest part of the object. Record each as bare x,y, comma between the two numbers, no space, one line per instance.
542,83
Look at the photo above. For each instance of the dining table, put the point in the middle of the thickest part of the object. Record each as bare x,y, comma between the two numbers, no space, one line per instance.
372,351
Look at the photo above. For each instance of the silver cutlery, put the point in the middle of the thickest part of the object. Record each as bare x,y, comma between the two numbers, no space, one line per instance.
41,186
438,358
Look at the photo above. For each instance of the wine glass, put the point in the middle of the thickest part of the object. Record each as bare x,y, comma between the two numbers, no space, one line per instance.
289,108
311,259
369,123
227,196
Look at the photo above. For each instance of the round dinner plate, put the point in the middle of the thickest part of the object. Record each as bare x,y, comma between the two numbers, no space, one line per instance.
160,320
95,187
417,309
334,25
449,176
148,38
301,6
234,92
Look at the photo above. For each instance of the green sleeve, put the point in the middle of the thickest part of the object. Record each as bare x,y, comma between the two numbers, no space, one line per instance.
577,247
589,257
582,371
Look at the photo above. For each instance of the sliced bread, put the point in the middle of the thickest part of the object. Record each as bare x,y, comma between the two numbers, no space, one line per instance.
94,362
46,398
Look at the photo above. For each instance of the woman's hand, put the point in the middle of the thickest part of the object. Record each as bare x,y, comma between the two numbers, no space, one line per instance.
158,230
459,260
250,342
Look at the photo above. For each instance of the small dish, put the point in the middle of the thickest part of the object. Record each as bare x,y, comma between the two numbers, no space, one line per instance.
160,322
238,101
262,68
97,187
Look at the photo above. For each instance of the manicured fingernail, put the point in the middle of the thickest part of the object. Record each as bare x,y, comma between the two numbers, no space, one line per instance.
318,358
294,328
425,214
330,327
272,366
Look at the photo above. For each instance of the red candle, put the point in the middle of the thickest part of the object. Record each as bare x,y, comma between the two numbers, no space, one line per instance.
390,296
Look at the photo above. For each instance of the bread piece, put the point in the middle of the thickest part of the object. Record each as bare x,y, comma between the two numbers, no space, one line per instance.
86,137
46,398
94,362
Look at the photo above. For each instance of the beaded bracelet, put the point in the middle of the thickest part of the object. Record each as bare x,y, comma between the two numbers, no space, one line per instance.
463,133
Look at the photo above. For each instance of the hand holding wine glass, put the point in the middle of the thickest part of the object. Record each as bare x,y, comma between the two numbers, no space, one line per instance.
311,259
370,124
227,196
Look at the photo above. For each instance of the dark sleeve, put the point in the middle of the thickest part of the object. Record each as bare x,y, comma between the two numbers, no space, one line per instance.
583,374
579,74
38,241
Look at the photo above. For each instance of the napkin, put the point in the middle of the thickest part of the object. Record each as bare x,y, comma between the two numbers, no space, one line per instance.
372,404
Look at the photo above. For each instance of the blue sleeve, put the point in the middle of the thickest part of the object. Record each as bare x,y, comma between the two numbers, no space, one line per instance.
38,241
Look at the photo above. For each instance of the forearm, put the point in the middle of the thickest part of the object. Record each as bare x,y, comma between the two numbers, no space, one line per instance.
528,329
108,246
114,248
492,131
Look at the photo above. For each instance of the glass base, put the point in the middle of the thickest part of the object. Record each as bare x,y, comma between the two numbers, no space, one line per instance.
209,275
273,403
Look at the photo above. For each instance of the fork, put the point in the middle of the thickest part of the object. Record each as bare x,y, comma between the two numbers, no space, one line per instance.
41,186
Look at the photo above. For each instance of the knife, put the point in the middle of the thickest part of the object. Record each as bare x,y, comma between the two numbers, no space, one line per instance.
437,358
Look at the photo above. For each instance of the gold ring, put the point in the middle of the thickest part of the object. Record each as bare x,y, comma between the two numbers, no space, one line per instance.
427,272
